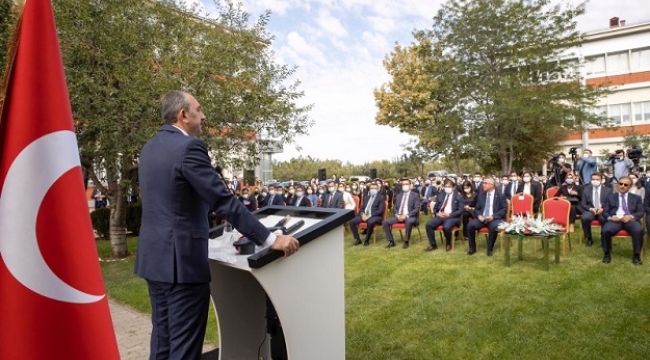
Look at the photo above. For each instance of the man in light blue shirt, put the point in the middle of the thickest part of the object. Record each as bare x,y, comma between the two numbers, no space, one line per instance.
620,167
586,166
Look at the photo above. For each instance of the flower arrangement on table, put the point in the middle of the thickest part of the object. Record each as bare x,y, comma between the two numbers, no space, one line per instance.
527,225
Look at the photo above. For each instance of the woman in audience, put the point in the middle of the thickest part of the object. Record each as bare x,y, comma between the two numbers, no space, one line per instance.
468,204
312,195
637,186
321,194
348,201
573,193
289,195
528,186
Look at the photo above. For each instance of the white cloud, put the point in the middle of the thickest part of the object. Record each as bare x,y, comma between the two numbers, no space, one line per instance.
300,51
331,25
382,24
376,42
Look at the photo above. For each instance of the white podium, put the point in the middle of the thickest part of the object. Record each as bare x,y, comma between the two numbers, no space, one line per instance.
306,290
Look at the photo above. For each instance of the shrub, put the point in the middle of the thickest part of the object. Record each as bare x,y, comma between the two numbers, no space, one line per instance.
100,219
134,217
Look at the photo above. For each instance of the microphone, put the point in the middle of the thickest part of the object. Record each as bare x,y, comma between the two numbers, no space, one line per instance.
282,222
294,227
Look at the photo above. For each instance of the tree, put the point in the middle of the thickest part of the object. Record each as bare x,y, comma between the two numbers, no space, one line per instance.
120,57
512,89
7,19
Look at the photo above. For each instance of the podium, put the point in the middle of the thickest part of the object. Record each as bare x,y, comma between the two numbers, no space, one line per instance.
306,290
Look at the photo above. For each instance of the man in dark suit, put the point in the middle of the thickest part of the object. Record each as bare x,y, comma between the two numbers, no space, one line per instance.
333,199
236,184
249,201
593,198
300,199
273,198
429,192
371,212
447,213
407,211
513,186
178,185
490,211
623,211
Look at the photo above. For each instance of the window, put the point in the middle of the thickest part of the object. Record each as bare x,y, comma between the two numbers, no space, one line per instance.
641,59
617,63
642,111
619,113
601,112
595,65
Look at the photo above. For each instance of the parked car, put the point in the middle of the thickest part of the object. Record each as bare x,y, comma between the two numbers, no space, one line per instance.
358,178
437,173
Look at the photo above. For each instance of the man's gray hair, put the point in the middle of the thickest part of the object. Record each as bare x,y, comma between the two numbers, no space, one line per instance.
173,102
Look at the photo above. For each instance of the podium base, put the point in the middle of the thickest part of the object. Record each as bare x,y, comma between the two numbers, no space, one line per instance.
211,355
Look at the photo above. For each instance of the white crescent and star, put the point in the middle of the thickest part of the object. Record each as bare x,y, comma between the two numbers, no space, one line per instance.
28,180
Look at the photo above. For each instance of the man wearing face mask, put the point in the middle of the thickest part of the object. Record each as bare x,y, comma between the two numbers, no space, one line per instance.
371,212
333,199
447,213
623,211
621,167
428,192
249,201
300,199
273,198
559,170
477,182
490,211
407,211
504,184
593,198
513,186
586,166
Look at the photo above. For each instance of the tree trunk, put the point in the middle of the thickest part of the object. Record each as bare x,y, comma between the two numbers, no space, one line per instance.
117,226
459,168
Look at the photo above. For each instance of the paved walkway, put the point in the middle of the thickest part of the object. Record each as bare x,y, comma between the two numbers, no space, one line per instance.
133,332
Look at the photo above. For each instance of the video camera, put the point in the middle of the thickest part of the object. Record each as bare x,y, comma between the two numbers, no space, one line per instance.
573,151
635,153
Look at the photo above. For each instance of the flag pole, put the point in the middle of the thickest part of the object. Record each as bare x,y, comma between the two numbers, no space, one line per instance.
12,47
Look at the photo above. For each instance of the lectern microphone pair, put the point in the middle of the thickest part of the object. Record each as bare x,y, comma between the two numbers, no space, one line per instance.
246,247
297,299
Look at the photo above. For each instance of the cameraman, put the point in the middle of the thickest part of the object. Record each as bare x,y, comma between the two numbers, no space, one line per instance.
586,166
560,169
621,166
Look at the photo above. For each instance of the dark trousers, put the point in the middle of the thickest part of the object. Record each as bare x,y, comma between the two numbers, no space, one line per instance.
372,221
587,218
424,207
447,225
410,222
179,315
633,227
475,225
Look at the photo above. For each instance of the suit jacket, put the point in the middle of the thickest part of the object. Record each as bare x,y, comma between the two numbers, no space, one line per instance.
413,206
535,191
337,201
457,204
499,205
277,200
377,208
304,201
236,185
178,185
634,204
564,191
508,192
587,201
429,191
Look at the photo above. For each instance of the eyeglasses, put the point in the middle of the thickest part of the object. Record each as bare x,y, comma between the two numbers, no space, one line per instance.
624,184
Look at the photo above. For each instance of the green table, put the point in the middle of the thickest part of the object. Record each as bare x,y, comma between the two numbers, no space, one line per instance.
545,242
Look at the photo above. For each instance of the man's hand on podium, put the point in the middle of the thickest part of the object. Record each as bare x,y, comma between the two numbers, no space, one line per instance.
286,243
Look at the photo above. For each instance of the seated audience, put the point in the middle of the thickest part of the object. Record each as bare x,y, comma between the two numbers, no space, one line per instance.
407,211
490,211
591,204
528,186
371,213
623,211
573,193
447,213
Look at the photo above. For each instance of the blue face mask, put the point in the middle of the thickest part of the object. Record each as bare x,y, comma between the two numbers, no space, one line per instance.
569,181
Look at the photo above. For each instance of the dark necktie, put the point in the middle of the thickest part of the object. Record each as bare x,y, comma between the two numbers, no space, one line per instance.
329,203
624,205
444,203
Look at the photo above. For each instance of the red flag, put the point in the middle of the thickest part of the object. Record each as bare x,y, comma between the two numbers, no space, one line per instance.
52,297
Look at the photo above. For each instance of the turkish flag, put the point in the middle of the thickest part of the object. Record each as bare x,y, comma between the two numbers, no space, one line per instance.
52,297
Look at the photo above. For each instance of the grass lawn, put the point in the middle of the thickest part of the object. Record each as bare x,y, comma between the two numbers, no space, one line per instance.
407,304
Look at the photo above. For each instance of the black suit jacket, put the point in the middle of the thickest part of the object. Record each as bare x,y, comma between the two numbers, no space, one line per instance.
337,201
457,204
178,185
377,208
252,203
304,201
277,200
508,192
535,191
634,204
413,206
499,205
587,201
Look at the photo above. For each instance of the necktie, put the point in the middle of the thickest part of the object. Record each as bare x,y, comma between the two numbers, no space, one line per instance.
487,210
444,203
624,205
597,199
513,190
369,206
329,203
271,200
404,202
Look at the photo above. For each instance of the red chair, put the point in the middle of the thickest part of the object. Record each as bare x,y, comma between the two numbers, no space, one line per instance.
457,230
594,224
522,204
364,225
485,231
552,192
558,209
402,226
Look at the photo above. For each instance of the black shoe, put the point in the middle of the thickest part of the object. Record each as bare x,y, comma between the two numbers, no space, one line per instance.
590,242
448,248
489,253
364,232
607,258
366,243
636,260
406,245
357,242
471,252
390,244
431,248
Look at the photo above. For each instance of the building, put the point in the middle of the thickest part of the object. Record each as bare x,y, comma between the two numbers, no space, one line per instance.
618,56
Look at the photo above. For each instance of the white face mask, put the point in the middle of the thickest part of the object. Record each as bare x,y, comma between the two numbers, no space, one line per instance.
595,183
245,196
634,181
448,190
321,191
406,188
560,160
477,179
373,192
292,191
467,191
299,194
347,190
331,189
513,178
504,182
585,156
354,187
264,193
526,179
341,189
309,192
271,192
569,181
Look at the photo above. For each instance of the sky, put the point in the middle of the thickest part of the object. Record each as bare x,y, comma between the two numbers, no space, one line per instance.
339,45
